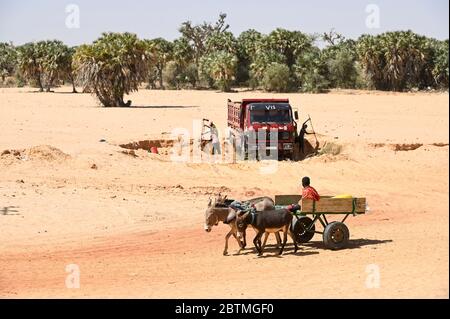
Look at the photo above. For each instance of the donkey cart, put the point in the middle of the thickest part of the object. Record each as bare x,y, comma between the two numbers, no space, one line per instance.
335,233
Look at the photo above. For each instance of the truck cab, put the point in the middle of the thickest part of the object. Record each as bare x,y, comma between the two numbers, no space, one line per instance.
250,119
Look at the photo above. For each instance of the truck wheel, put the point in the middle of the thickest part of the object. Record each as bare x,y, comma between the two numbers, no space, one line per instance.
296,153
291,156
233,144
232,141
299,229
336,236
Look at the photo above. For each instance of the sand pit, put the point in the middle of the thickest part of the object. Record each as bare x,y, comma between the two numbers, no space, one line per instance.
149,144
164,148
134,223
168,147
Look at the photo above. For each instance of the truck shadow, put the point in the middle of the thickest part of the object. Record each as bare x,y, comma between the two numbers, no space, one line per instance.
150,107
8,210
162,106
300,154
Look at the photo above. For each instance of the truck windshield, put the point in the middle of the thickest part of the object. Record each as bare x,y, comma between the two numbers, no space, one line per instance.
279,116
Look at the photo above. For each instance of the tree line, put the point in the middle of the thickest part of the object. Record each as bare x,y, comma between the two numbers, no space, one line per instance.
209,56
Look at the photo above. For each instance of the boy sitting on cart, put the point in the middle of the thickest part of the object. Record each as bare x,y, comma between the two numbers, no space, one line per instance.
309,192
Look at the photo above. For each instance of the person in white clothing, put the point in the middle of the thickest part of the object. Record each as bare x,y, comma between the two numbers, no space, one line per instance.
215,139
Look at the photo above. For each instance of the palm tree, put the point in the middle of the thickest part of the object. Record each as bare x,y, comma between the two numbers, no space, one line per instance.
114,65
29,63
220,66
371,56
67,67
247,45
160,52
396,60
182,54
290,44
440,63
56,62
44,62
221,41
283,47
262,60
8,60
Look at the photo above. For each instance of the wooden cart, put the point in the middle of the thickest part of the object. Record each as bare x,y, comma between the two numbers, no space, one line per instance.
335,233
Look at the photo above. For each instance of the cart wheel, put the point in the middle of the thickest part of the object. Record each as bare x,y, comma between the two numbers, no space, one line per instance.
336,235
298,228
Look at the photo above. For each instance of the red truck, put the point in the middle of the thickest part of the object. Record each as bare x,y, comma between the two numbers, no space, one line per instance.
249,119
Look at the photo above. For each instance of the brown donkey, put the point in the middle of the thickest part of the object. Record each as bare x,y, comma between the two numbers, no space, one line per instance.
269,221
218,210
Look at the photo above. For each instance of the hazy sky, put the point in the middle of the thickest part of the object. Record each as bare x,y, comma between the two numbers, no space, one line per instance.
28,20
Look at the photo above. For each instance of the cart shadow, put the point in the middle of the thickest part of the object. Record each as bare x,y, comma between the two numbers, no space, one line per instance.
298,253
352,244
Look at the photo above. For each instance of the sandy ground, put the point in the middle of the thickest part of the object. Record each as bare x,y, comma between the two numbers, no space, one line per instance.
134,225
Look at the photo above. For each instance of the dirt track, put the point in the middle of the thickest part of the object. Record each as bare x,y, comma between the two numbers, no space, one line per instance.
134,225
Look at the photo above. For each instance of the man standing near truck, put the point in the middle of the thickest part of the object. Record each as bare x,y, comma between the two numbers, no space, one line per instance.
301,136
215,141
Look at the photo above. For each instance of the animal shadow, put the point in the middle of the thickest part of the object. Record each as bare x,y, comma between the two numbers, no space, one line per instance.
271,251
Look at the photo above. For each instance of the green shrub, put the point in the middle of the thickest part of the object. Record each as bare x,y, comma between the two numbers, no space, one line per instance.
276,78
176,78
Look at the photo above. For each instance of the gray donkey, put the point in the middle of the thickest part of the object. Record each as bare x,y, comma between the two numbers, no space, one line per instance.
219,211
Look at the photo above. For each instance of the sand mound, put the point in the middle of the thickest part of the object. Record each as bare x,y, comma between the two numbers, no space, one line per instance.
36,153
330,148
